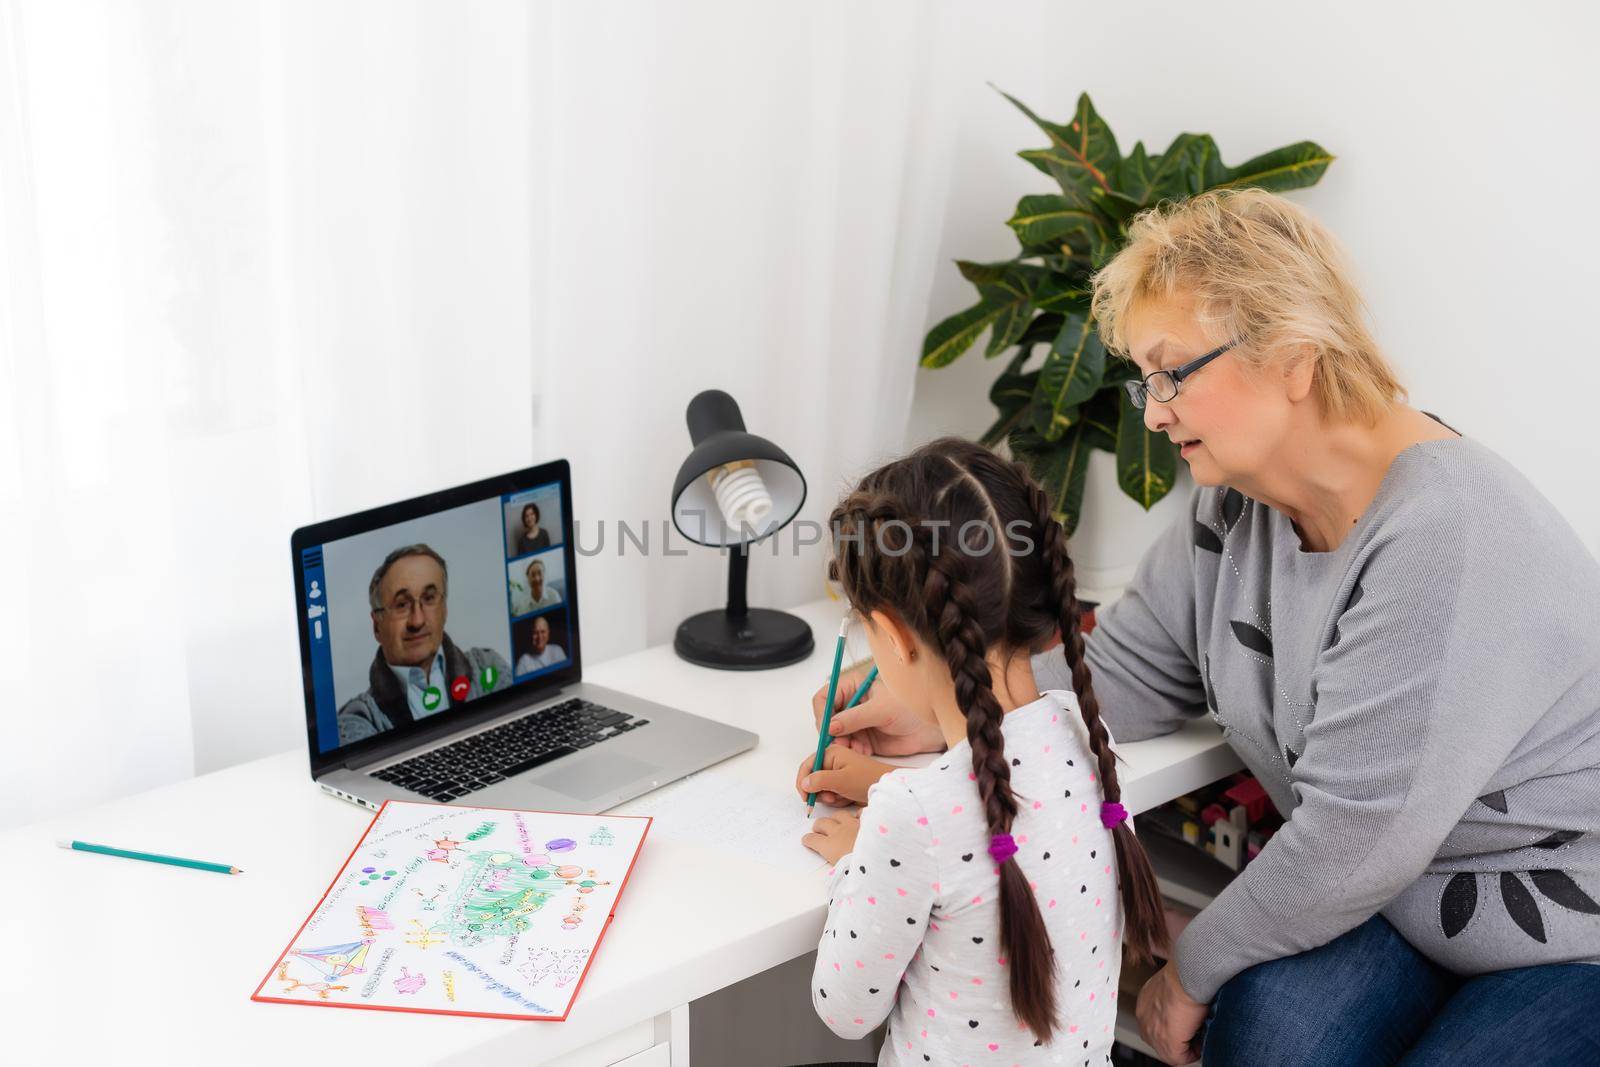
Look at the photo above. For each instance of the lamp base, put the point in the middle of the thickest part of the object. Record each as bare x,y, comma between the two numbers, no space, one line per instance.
759,639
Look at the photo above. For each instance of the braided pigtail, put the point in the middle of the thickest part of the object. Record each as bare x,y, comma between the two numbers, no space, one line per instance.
1144,918
953,610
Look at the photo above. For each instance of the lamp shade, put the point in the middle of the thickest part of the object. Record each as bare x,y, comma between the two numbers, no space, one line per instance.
717,430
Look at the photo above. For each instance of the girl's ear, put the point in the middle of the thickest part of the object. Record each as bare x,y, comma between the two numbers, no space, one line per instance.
898,634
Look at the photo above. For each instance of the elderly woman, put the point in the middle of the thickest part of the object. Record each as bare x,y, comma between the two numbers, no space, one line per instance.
1401,640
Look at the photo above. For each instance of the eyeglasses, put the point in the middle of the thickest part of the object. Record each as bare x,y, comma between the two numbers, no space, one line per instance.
1163,384
402,604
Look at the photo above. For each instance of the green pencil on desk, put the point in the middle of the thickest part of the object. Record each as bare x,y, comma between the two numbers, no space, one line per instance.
149,857
827,709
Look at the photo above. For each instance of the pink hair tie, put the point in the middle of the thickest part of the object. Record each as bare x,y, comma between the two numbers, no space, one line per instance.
1002,847
1111,814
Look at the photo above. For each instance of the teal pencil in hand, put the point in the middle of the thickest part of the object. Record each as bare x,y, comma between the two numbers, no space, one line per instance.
855,698
149,857
827,709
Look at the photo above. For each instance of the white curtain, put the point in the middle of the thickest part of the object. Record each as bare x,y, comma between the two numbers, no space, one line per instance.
264,263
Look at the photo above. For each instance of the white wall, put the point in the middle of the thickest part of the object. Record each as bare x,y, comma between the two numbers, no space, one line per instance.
1463,188
236,230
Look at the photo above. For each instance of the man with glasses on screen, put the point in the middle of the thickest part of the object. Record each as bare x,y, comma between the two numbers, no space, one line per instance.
417,671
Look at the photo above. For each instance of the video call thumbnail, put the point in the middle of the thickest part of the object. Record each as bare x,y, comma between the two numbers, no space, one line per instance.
533,520
537,582
540,643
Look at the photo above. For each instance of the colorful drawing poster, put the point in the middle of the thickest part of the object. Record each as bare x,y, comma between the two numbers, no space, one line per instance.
464,911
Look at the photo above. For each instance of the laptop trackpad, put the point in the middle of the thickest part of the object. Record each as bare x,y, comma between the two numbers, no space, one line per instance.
596,777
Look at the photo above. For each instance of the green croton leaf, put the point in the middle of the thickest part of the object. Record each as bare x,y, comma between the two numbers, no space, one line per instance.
956,334
1060,466
1070,375
1050,218
1099,419
1042,330
1190,165
1082,154
984,273
1011,394
1291,167
1147,464
1133,176
1009,327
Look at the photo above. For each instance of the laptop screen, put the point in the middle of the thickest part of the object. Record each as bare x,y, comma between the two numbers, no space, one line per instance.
417,615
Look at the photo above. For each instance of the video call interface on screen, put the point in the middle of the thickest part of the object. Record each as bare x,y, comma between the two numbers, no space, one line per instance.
420,617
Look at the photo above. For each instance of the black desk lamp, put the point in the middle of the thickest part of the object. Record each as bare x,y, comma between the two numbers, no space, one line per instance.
734,490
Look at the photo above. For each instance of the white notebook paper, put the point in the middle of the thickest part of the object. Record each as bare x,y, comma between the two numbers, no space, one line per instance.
715,809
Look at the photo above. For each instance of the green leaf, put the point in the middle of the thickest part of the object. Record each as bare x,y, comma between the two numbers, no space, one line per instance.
1290,167
1071,372
1048,218
1102,249
1082,154
957,333
1147,464
1011,393
1116,206
1133,176
1054,295
1099,419
1060,467
1119,370
1042,330
983,273
1190,165
1009,327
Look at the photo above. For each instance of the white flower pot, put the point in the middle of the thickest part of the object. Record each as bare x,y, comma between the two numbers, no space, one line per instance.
1114,533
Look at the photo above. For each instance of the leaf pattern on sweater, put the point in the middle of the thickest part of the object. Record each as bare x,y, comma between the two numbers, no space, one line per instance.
1521,906
1232,508
1560,887
1457,903
1252,638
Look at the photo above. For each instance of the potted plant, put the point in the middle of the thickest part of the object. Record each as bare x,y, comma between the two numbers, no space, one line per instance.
1054,413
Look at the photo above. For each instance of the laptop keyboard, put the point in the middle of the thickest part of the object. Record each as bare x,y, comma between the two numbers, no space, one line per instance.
509,749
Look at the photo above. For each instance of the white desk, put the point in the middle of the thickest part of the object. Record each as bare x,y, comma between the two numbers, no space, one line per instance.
176,953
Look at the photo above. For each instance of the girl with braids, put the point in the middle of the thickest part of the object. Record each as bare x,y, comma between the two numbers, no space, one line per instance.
979,903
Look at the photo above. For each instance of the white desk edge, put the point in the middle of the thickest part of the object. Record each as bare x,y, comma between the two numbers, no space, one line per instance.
181,951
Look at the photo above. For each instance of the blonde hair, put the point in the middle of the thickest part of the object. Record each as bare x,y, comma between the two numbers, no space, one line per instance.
1262,271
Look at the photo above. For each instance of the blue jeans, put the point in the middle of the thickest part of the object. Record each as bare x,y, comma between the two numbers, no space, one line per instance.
1369,999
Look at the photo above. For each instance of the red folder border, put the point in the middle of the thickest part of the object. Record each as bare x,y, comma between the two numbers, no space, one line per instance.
268,999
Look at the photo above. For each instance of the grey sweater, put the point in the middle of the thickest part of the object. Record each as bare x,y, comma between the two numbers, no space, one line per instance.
1422,704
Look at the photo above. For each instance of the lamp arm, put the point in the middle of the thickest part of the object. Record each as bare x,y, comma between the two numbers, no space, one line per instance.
738,569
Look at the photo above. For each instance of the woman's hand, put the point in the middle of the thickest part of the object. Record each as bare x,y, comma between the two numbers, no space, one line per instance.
833,837
845,777
1169,1019
879,725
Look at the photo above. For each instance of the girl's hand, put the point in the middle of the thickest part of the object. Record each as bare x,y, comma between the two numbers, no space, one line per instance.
845,777
880,724
833,837
1169,1018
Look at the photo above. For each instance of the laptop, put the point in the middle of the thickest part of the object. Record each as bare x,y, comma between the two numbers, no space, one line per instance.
442,659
